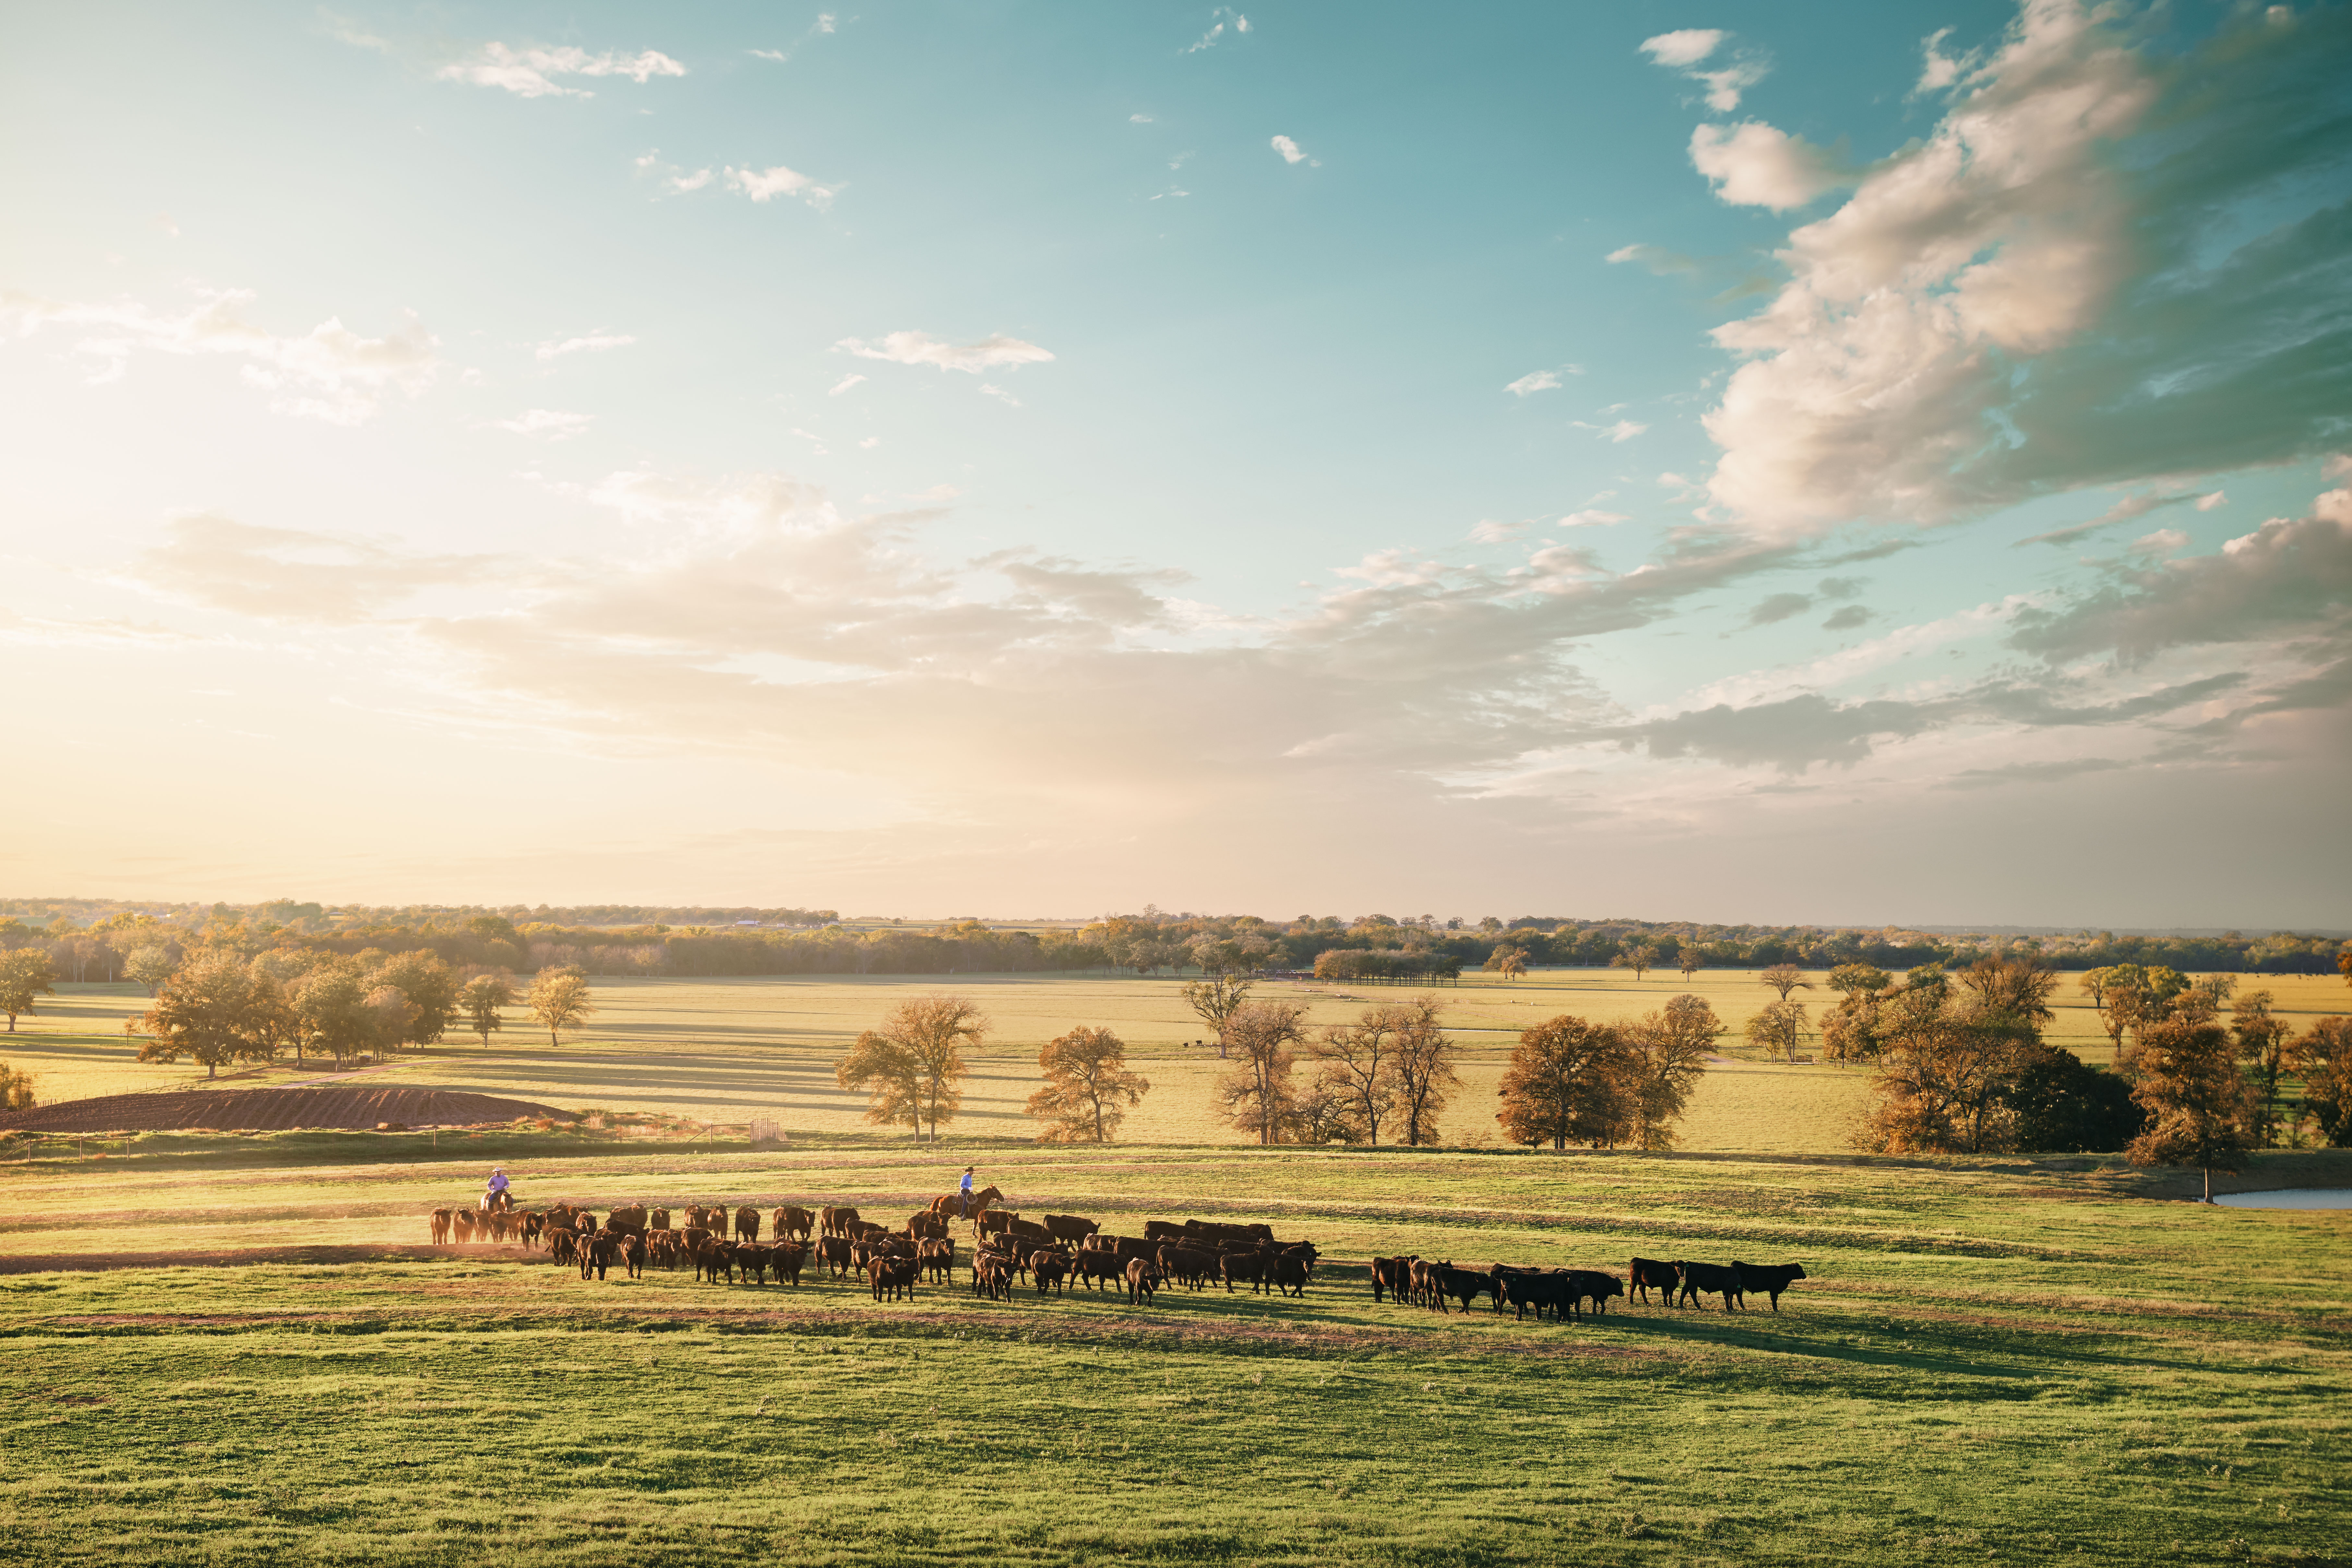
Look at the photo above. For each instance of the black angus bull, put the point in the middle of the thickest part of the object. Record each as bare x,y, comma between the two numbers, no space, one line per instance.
1769,1278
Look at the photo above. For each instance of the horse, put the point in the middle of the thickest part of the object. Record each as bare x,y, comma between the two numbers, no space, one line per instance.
951,1206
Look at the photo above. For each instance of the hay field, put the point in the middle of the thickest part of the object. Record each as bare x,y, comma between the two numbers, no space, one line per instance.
722,1051
1995,1361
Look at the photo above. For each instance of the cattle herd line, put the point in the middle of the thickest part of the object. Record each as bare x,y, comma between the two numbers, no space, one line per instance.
723,1243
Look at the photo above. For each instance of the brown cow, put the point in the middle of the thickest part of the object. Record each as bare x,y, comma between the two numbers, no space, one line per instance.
1093,1265
1070,1229
1190,1266
791,1220
833,1251
598,1252
1142,1280
835,1220
937,1255
632,1218
657,1219
714,1257
747,1224
562,1245
992,1276
633,1254
461,1225
441,1226
787,1258
1394,1275
534,1224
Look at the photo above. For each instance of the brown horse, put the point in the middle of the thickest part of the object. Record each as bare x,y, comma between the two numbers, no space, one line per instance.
951,1205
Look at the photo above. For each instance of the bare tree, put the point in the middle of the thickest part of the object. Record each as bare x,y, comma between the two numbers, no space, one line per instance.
1262,1038
1779,1028
1215,999
1785,978
1088,1089
1425,1079
1358,1063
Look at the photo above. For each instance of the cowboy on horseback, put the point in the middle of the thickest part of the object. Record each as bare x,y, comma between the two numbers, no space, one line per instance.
965,1195
498,1196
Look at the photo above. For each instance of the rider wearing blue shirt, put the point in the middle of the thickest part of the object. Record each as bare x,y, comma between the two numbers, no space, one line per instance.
498,1193
967,1192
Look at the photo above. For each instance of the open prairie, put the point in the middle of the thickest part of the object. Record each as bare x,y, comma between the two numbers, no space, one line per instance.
1989,1361
722,1051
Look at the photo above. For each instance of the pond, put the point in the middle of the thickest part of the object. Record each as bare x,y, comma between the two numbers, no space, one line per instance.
2290,1198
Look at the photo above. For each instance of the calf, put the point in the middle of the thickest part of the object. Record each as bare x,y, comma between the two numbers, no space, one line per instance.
1712,1279
894,1278
1770,1279
1648,1273
1142,1280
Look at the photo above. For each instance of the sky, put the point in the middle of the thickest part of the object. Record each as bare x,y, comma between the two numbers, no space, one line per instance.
1819,462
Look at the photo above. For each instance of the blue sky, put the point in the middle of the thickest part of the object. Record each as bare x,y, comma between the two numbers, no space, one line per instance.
1035,460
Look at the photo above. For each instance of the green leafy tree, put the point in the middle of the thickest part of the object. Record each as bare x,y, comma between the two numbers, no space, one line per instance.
331,1001
1088,1089
26,974
560,1000
1943,1071
480,1000
912,1066
1507,960
2323,1059
1640,957
431,988
1690,958
2265,1041
204,1012
2064,1106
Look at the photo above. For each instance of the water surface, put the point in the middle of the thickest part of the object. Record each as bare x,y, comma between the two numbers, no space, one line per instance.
2290,1198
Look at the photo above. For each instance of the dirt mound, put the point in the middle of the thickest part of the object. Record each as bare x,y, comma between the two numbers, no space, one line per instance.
274,1111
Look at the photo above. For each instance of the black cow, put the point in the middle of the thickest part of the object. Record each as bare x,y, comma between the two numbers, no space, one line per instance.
1394,1275
1142,1280
1093,1265
787,1258
1070,1228
1051,1267
833,1251
1711,1279
1465,1284
1648,1272
599,1252
1770,1279
1290,1273
893,1277
1524,1289
1591,1284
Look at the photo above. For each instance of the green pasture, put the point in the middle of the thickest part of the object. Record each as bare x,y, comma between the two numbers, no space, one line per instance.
1994,1361
722,1051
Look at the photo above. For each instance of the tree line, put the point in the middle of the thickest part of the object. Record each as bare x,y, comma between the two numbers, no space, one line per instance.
1373,947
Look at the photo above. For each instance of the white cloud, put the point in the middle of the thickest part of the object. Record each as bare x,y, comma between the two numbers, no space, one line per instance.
1292,154
530,73
596,341
1937,70
2208,502
2163,542
1754,165
843,384
1534,381
1624,430
554,425
1138,119
922,348
765,184
1590,517
1682,51
330,372
779,55
1491,533
693,181
2001,236
869,443
1000,394
1226,16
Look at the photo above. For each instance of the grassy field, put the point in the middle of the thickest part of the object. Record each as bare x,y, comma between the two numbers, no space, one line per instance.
721,1051
1993,1361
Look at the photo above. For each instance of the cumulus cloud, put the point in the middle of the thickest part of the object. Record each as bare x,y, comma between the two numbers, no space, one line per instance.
1686,50
1534,381
843,384
1780,607
1885,380
1622,430
766,184
1753,165
922,348
330,372
1292,154
531,72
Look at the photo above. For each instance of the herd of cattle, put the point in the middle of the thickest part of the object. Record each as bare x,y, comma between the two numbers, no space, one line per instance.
723,1243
